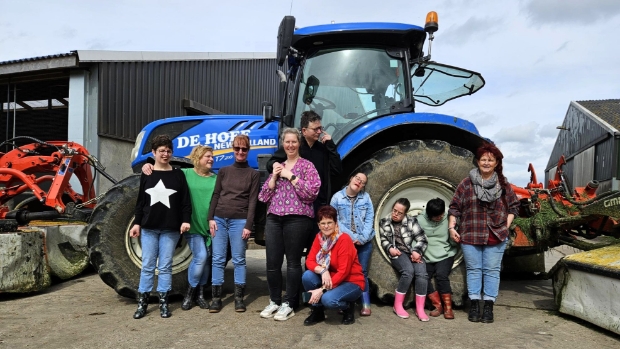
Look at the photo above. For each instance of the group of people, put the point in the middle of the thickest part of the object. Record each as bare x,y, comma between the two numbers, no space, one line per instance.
217,211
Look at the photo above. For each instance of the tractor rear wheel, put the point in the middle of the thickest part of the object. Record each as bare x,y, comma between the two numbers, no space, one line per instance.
115,255
419,171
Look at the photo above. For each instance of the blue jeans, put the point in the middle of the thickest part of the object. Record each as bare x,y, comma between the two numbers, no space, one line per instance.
157,244
363,255
199,271
228,229
408,270
336,298
483,265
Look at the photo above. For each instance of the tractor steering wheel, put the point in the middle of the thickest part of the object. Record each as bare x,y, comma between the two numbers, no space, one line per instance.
319,107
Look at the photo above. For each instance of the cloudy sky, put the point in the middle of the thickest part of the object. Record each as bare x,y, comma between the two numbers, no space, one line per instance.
535,55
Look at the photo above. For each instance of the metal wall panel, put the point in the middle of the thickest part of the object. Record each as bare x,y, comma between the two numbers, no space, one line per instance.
603,161
581,132
133,94
583,168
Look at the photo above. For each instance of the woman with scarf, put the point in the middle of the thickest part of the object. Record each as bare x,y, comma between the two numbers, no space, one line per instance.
485,205
334,277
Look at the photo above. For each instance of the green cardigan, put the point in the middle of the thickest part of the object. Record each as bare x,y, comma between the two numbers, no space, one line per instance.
440,246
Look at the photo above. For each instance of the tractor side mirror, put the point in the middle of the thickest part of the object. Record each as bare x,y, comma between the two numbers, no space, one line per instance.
285,38
312,86
267,112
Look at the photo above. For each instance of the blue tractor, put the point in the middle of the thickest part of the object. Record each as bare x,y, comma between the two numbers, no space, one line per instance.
364,79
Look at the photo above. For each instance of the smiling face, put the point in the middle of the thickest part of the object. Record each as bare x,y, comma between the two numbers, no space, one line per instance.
487,164
162,155
291,145
241,150
357,182
327,225
206,161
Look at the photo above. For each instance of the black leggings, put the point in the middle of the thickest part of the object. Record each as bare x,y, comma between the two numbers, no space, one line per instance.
441,271
285,235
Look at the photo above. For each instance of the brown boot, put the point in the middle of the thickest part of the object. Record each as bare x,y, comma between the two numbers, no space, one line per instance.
447,303
434,297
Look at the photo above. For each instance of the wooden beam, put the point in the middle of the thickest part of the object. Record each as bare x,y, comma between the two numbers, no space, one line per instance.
24,105
63,101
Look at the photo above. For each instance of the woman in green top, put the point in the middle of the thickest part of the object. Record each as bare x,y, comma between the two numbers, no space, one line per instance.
201,182
439,256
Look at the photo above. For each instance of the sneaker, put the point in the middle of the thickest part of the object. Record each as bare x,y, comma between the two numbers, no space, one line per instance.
284,313
269,310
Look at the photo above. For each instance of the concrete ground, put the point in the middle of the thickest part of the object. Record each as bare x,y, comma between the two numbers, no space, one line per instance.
85,313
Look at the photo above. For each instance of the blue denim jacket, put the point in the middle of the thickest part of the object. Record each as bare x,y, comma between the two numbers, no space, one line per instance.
364,215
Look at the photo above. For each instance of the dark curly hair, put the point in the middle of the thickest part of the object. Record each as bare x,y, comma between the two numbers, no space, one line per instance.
161,141
327,212
489,148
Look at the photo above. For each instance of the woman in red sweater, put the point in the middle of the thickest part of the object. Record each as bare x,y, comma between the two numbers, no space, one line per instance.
334,277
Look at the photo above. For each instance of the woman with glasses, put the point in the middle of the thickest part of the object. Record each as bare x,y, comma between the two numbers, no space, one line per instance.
231,216
289,192
404,242
334,278
163,213
439,256
356,216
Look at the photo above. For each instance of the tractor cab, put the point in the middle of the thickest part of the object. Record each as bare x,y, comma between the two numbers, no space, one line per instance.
355,72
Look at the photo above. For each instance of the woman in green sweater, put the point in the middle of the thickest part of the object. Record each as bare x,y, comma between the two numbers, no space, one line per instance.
439,256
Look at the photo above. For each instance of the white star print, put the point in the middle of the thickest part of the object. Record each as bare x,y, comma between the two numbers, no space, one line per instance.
160,193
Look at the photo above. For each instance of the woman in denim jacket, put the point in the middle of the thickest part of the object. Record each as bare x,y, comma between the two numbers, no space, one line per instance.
356,215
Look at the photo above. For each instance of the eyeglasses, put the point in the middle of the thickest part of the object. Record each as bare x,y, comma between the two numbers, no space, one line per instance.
241,149
326,224
318,129
397,213
357,178
164,151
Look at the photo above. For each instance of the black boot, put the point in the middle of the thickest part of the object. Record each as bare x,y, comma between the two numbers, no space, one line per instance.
189,298
143,303
474,311
348,316
239,292
487,312
202,302
216,303
163,305
317,314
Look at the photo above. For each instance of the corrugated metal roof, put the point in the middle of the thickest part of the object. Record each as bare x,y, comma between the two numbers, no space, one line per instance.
152,56
40,58
606,109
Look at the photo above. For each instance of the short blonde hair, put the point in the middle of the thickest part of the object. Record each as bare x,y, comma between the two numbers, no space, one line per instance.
290,130
198,152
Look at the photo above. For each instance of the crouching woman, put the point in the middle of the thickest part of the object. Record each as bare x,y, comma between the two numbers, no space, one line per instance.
334,277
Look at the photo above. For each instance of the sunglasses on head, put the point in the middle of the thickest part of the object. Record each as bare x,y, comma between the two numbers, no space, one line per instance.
241,149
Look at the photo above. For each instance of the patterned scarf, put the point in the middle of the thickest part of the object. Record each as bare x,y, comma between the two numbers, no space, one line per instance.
488,190
323,257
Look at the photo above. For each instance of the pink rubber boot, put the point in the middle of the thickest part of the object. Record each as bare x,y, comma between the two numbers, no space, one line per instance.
419,307
399,298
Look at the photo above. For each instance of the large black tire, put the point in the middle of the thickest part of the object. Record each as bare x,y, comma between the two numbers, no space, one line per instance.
116,256
419,171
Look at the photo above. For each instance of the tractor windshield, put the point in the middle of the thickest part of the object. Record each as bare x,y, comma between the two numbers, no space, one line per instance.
349,86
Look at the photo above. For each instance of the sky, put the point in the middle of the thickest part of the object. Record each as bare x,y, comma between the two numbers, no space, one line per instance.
536,56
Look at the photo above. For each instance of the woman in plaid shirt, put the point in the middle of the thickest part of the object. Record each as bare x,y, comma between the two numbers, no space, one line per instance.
485,204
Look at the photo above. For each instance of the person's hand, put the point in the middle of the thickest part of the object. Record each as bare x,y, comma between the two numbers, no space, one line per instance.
212,227
184,228
394,252
454,235
327,280
277,168
316,295
246,234
147,169
134,232
356,242
415,257
286,173
326,137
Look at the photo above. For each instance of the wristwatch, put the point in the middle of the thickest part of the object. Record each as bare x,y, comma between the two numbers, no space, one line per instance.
324,290
293,177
